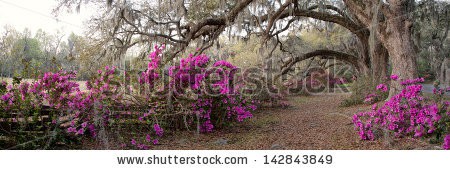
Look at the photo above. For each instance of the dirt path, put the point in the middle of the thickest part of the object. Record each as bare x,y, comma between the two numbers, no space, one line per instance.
314,122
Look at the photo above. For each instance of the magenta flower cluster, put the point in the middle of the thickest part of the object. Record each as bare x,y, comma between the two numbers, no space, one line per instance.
382,87
394,77
189,73
148,139
371,98
446,144
380,93
407,113
413,81
151,74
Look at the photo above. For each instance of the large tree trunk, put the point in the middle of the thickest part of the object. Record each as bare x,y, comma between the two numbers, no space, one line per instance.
393,29
365,57
399,44
376,57
379,64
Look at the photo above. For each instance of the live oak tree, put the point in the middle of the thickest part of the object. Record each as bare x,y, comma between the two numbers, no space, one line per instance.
391,24
383,28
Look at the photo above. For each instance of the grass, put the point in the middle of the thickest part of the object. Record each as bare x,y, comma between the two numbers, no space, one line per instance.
345,85
265,121
299,99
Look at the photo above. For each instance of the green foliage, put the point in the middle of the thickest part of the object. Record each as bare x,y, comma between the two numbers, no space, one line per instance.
320,38
351,101
27,51
2,88
27,56
360,88
27,48
246,53
423,65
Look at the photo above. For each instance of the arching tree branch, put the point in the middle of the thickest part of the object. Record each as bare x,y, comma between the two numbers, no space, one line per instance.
324,54
344,21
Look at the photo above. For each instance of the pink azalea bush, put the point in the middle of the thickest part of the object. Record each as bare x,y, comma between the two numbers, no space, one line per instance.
218,99
53,89
24,102
379,94
407,113
103,106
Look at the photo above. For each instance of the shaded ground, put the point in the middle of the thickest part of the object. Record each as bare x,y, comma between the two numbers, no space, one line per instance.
313,122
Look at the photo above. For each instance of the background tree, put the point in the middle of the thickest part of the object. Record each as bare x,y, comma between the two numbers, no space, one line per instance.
430,34
28,56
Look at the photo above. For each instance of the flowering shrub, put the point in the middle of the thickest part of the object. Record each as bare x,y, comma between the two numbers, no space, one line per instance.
378,95
204,88
408,113
54,89
23,103
217,100
93,108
